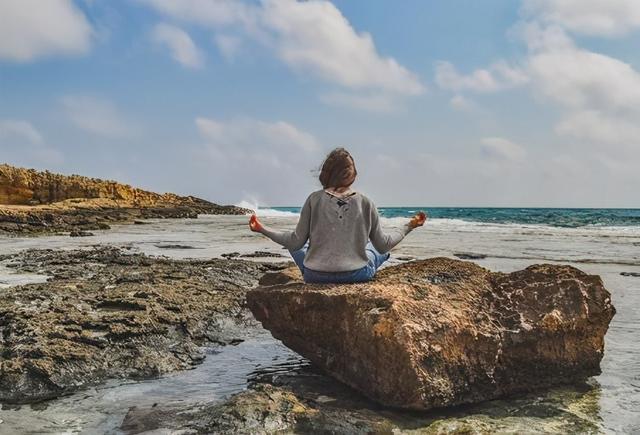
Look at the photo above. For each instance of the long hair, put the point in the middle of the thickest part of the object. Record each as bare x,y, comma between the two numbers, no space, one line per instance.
338,170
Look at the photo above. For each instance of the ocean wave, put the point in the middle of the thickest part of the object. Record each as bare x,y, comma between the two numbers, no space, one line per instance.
396,217
276,213
266,211
460,225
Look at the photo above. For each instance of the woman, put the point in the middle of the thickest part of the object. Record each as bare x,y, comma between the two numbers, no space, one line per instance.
338,224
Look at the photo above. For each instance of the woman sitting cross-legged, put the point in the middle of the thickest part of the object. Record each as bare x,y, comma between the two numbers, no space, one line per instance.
338,238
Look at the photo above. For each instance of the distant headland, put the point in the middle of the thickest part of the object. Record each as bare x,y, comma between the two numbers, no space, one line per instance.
37,202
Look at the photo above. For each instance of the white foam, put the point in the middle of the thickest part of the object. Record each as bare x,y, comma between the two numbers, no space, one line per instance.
265,211
251,205
276,213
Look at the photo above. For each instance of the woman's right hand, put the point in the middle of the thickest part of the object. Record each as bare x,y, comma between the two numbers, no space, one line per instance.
418,220
255,224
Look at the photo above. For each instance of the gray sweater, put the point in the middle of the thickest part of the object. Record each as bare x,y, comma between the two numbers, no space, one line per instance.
338,230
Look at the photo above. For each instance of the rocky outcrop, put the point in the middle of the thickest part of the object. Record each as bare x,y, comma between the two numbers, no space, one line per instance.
37,202
442,332
19,186
308,402
105,314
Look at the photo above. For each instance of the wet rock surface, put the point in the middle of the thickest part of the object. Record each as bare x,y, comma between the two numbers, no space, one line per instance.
105,313
442,332
310,402
469,256
34,202
98,214
254,254
76,233
636,274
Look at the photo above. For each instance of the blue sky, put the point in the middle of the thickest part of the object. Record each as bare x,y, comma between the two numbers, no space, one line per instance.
452,103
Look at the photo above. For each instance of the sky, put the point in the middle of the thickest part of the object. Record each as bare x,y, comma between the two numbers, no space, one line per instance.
508,103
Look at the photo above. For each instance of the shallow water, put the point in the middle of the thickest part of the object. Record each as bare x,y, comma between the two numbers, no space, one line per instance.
605,251
101,409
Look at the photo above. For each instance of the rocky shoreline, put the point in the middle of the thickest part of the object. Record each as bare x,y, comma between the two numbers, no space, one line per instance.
34,202
106,313
308,401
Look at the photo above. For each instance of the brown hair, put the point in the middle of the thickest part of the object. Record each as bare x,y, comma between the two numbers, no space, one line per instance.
338,169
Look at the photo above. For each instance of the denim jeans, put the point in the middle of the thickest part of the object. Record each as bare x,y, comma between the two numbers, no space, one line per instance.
365,273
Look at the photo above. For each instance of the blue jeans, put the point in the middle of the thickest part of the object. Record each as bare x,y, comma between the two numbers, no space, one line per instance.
363,274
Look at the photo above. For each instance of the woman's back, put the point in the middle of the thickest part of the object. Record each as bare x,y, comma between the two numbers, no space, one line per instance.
338,229
338,225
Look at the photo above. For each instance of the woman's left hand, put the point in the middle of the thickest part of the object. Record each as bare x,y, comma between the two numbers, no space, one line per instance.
418,220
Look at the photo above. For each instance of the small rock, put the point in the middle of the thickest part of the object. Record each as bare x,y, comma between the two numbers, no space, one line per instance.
636,274
405,258
261,254
79,233
175,246
284,276
469,256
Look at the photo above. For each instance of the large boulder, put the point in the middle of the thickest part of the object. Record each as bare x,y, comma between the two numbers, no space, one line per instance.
443,332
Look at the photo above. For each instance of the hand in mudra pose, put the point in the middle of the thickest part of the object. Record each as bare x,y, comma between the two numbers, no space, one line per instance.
418,220
255,224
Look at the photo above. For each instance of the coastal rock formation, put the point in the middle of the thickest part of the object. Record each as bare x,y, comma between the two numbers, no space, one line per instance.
36,202
308,402
20,186
442,332
105,313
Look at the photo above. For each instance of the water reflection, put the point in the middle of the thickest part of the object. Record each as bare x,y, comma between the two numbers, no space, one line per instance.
567,409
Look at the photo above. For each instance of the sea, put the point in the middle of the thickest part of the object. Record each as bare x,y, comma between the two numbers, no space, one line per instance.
554,217
605,242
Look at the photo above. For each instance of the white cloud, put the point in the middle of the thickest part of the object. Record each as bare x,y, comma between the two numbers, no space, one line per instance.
599,127
501,148
589,17
275,158
383,103
205,12
599,95
21,143
462,103
14,128
31,29
313,38
496,77
316,38
245,134
579,78
228,45
183,50
96,115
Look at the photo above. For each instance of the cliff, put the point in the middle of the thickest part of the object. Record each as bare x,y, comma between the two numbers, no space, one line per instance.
43,202
19,186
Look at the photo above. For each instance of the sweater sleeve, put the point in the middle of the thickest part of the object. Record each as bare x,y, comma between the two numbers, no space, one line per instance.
293,240
384,242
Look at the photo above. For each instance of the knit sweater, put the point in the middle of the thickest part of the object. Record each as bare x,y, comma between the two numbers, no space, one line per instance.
338,229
